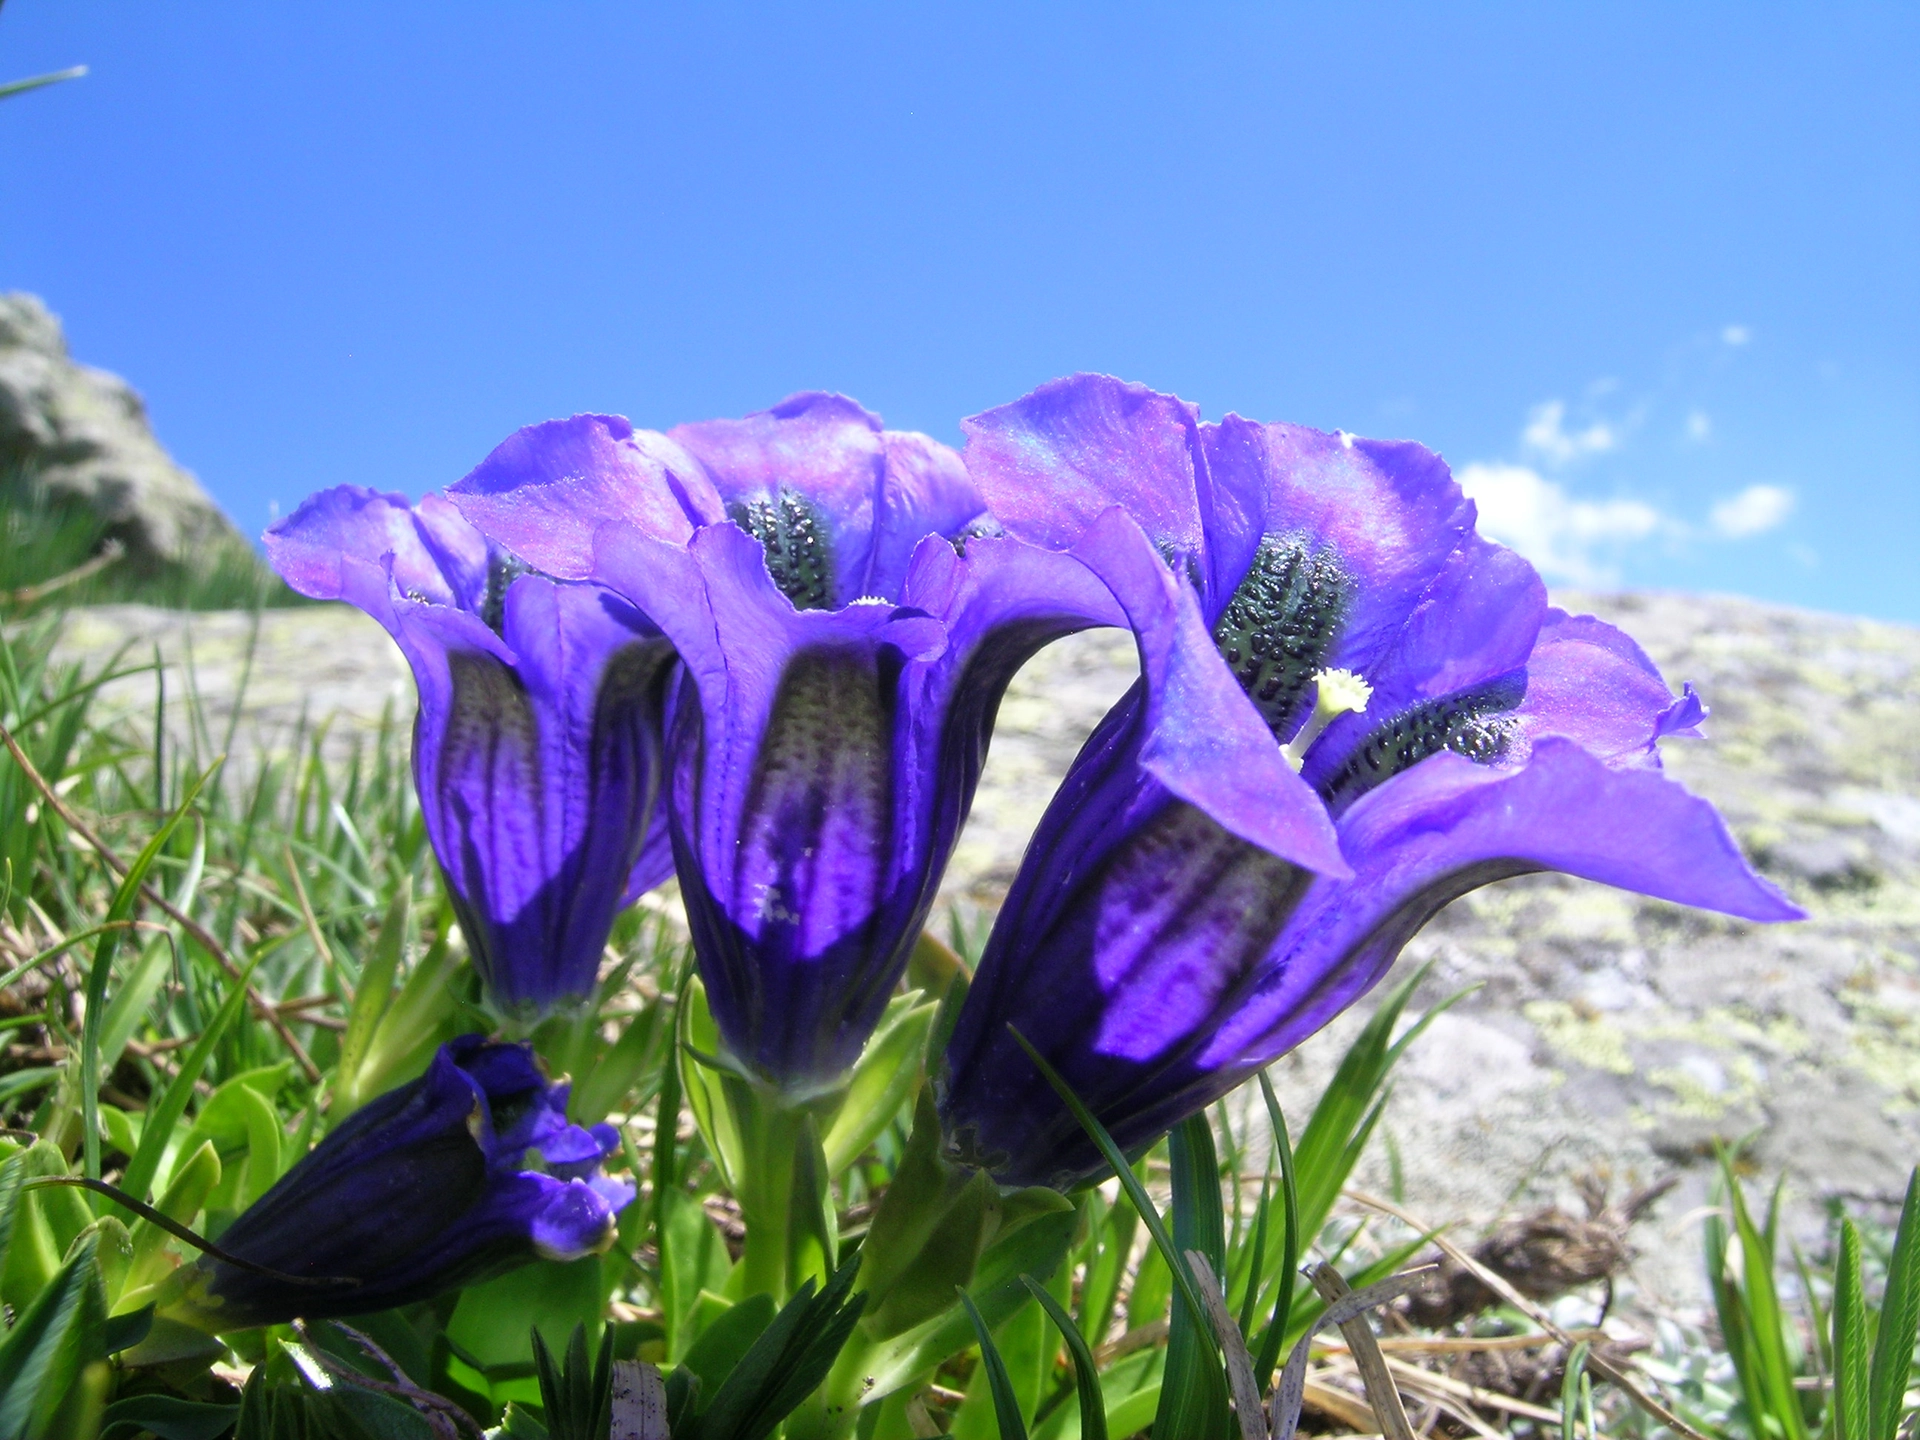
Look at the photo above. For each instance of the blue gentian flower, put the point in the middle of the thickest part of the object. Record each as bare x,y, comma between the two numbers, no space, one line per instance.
465,1172
1449,725
847,615
537,743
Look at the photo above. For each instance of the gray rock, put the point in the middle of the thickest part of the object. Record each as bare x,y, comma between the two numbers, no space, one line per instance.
80,435
1610,1035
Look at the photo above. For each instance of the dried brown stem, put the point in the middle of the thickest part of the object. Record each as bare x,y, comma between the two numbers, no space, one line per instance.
1500,1286
201,936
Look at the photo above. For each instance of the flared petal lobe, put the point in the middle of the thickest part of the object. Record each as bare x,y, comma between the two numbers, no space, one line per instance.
465,1172
539,732
1157,954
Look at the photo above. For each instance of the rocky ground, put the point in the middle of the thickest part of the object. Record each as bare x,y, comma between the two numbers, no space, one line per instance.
1610,1036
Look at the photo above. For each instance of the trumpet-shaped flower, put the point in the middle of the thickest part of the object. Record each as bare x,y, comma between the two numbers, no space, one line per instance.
848,615
467,1171
1449,726
537,742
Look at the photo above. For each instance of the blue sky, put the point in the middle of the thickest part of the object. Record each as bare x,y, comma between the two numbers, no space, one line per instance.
1646,275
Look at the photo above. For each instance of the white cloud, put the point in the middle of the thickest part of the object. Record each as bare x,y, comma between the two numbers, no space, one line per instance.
1546,434
1568,539
1699,425
1755,509
1736,334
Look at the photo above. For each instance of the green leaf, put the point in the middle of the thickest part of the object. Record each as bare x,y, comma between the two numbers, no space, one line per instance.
883,1080
370,1001
791,1357
1337,1131
704,1086
124,899
56,1337
693,1257
1899,1319
813,1231
1280,1326
129,1004
614,1076
579,1398
1193,1393
1006,1407
1107,1267
165,1114
192,1182
166,1417
123,1332
1851,1406
1086,1376
13,1173
1764,1322
1128,1180
722,1344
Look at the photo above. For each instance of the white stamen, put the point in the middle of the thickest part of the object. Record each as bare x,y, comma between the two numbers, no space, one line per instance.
1336,693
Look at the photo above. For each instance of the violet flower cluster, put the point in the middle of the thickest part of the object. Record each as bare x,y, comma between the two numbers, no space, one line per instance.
766,655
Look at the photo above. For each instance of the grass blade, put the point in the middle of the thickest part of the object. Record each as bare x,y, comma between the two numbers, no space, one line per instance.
1006,1408
1136,1192
1086,1375
1193,1390
1899,1319
1851,1408
166,1112
121,909
1269,1356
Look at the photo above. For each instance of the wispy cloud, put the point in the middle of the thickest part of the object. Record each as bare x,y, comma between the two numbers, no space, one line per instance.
1572,541
1583,542
1736,334
1547,436
1756,509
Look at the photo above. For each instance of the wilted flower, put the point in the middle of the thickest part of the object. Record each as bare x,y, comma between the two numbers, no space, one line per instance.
848,616
1154,950
467,1171
537,742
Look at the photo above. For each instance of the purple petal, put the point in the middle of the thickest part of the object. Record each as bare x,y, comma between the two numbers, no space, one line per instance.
1388,511
573,1220
1683,717
878,492
546,490
1052,463
1203,739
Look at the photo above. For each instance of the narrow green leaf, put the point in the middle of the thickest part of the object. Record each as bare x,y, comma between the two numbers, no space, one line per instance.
1193,1388
121,909
1851,1406
51,1343
813,1231
1256,1253
1006,1408
1086,1375
883,1080
1130,1182
1570,1391
371,998
166,1417
13,1172
166,1112
1899,1319
1281,1323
